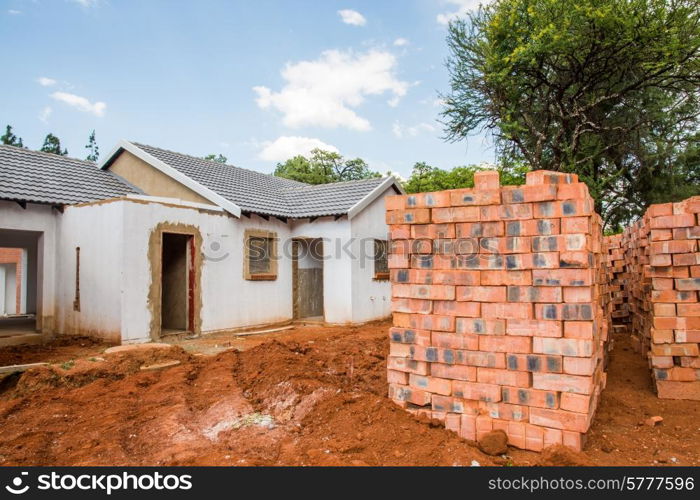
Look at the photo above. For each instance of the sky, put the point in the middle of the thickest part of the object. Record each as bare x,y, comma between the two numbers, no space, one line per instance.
258,81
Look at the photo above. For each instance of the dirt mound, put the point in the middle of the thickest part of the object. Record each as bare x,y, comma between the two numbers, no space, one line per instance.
559,455
84,371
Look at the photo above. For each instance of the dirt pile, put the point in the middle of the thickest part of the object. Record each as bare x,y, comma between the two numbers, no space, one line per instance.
308,397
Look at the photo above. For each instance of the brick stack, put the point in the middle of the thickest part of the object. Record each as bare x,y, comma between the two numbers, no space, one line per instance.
616,269
498,319
635,242
674,273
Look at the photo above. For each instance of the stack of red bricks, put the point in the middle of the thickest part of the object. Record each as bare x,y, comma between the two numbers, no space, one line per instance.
498,322
674,274
616,269
635,242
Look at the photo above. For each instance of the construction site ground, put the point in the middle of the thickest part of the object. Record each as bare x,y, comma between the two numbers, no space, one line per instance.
303,396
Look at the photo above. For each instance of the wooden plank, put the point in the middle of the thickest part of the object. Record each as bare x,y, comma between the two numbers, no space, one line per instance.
310,292
20,368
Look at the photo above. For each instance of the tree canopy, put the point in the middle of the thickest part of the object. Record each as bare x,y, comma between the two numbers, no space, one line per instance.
608,89
10,139
428,178
93,149
52,144
217,158
323,167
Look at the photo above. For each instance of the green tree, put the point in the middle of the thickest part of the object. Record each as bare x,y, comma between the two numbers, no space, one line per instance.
217,158
52,144
323,167
10,139
93,149
427,178
608,89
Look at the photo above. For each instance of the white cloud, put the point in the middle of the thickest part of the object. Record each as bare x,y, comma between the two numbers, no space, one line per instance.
45,113
45,82
14,12
463,7
401,42
86,3
81,103
401,131
322,92
352,17
286,147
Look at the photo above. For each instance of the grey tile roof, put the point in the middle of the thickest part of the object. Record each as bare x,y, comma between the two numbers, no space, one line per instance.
266,194
38,177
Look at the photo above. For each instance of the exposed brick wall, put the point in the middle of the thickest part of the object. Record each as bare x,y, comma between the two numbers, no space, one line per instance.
14,256
662,254
498,308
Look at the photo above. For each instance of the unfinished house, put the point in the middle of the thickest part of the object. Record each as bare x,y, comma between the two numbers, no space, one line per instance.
151,243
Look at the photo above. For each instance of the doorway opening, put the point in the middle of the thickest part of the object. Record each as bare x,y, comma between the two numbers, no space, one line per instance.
20,276
307,278
177,284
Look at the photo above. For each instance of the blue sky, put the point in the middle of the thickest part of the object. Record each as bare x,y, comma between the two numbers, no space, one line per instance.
255,80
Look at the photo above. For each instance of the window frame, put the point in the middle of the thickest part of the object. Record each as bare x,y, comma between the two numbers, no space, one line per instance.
271,275
380,275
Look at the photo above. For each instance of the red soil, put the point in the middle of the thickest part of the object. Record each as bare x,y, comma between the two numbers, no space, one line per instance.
313,396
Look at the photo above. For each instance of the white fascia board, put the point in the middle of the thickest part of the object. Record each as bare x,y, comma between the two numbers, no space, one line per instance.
174,174
174,201
373,195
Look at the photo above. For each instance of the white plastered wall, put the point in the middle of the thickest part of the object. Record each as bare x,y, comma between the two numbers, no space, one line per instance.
371,299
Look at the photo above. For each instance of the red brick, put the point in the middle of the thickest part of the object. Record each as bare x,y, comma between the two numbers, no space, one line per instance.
432,292
417,216
451,340
577,294
428,200
534,437
516,434
669,350
479,229
559,419
505,212
573,440
685,284
463,309
455,214
400,232
395,202
409,395
469,197
497,343
506,411
561,277
672,221
688,309
660,209
407,365
532,327
468,427
549,177
394,377
506,278
530,397
453,372
563,346
411,306
534,363
503,377
506,311
433,231
481,293
579,403
534,294
481,326
576,225
486,179
476,391
552,437
572,191
407,336
579,330
678,390
527,194
564,383
539,227
431,384
673,246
